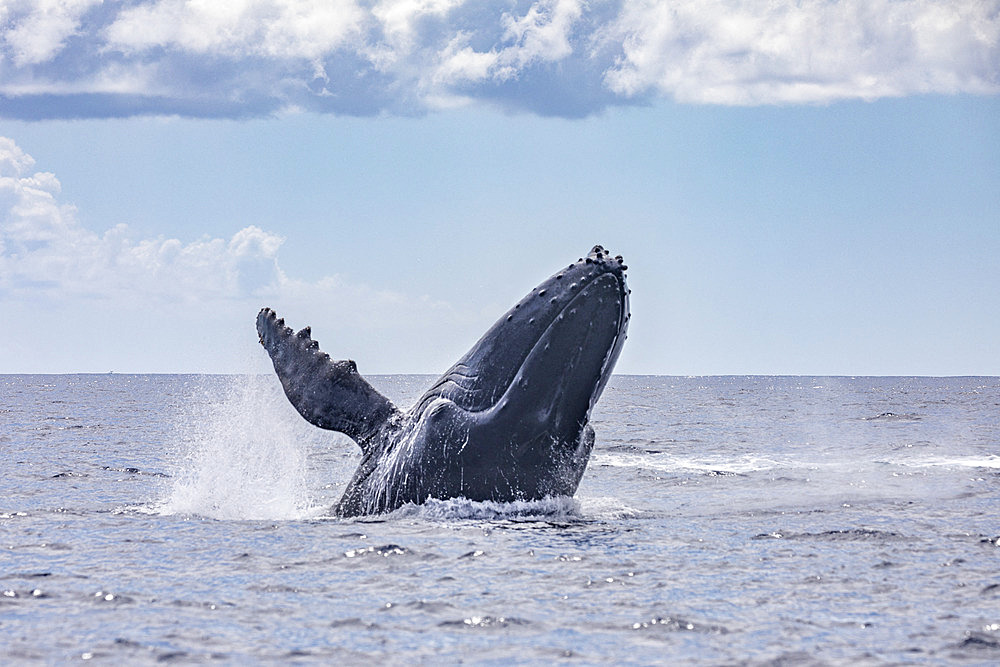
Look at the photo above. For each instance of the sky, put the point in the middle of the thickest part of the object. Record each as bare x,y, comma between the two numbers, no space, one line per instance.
807,188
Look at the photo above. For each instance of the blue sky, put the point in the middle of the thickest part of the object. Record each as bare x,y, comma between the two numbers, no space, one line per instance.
810,189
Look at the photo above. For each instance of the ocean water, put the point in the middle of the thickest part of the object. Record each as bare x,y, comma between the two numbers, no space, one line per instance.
722,520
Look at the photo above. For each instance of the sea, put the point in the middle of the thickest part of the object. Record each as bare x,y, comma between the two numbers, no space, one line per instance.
744,520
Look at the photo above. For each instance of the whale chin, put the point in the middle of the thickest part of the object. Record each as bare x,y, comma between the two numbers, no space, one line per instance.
509,421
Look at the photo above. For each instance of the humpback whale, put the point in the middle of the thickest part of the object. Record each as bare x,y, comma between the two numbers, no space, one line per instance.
509,421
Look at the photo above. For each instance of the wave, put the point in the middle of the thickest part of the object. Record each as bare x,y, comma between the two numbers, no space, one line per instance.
706,465
987,461
757,463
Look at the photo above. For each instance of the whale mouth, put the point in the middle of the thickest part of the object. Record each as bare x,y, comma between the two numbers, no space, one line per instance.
565,334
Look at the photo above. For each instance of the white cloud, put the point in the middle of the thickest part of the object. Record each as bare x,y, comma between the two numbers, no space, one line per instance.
257,57
543,33
44,249
37,30
400,19
304,29
724,52
161,303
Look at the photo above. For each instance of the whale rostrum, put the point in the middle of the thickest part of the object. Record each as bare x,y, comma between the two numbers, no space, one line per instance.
509,421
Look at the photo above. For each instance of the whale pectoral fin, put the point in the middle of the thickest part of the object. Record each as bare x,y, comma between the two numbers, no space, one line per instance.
329,394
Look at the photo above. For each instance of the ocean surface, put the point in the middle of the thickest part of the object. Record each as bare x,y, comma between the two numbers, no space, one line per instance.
722,520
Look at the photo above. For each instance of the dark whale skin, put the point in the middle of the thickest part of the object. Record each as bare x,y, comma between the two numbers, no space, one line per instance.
509,421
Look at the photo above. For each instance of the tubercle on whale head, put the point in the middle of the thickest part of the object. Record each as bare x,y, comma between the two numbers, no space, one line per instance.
574,280
591,302
558,317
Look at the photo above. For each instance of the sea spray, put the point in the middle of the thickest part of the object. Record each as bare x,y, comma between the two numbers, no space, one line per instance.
241,455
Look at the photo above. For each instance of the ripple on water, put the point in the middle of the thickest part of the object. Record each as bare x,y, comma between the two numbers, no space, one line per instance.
385,551
846,535
484,622
108,597
673,624
741,517
12,595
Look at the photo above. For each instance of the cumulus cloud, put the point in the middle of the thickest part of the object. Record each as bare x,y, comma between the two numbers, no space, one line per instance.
82,58
305,29
44,249
811,51
86,300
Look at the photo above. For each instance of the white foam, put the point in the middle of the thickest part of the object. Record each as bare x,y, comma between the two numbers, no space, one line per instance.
988,461
243,458
608,508
548,508
671,463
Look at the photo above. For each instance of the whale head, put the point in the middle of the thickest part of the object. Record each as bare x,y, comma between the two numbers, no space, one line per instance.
525,391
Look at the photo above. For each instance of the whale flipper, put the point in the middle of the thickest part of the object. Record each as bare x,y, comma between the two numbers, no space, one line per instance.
329,394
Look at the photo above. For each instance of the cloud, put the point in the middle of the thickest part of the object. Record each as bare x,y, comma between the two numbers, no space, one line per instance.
161,303
289,29
813,51
44,251
84,58
38,31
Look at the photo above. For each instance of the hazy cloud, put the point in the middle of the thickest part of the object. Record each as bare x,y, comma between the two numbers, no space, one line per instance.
193,299
81,58
44,251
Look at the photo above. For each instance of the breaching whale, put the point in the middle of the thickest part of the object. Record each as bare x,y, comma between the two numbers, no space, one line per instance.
509,421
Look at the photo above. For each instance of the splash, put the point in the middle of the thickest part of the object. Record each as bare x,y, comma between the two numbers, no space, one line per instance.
550,508
242,455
